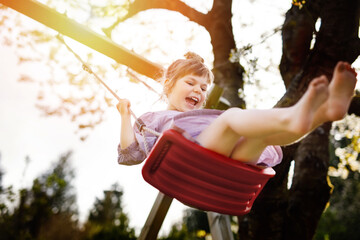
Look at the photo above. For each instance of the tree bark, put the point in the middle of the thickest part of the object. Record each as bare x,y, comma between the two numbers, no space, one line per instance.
228,75
294,213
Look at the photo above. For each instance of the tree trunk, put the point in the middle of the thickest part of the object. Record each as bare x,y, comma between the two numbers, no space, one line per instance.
280,213
228,75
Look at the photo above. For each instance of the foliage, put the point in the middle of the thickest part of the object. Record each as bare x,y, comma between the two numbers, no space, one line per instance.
246,57
346,145
48,210
194,226
107,221
341,219
178,231
299,3
6,199
44,208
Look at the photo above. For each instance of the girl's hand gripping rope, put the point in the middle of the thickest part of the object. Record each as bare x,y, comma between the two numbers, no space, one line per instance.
124,107
127,136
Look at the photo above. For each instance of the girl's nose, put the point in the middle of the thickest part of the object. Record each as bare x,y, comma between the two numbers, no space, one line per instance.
197,89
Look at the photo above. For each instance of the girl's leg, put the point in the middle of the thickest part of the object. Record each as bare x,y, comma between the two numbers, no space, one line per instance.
224,133
341,91
250,131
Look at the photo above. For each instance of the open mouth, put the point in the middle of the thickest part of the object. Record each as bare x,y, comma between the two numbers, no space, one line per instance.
192,100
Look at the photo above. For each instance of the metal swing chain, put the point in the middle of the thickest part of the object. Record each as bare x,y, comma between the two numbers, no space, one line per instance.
140,124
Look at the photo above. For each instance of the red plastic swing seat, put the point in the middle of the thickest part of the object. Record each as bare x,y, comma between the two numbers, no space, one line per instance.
201,178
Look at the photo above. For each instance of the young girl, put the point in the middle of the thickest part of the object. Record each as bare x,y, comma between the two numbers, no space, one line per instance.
251,136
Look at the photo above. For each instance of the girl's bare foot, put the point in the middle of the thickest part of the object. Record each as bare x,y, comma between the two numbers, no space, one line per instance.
341,91
316,94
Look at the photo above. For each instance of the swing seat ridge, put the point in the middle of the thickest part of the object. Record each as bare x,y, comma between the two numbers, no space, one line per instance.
201,178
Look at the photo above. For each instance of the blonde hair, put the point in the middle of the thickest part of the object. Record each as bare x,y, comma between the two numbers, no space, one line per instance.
192,64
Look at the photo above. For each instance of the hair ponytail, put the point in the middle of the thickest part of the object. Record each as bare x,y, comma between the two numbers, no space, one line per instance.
193,56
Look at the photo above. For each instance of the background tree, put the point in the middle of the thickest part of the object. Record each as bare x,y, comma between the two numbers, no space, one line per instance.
194,225
47,210
315,37
340,220
341,217
107,219
7,197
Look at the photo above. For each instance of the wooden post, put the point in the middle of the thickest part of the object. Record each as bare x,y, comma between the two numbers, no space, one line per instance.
220,226
156,217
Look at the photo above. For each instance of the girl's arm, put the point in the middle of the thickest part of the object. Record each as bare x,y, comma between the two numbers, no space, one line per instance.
129,151
127,135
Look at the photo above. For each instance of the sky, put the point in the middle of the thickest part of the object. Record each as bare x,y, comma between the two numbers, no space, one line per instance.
24,132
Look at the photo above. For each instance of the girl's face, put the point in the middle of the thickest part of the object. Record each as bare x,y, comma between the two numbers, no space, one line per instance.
188,93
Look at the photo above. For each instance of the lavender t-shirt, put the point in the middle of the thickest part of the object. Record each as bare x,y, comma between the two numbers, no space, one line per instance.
193,122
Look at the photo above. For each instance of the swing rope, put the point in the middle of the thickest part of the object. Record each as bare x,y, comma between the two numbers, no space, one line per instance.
139,123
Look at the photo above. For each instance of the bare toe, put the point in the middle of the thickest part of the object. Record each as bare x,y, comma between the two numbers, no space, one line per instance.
316,94
344,79
321,81
341,90
320,87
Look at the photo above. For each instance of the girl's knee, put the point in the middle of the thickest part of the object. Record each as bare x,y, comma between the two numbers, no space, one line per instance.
229,115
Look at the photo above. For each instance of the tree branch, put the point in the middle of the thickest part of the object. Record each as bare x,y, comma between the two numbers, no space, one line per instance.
355,105
297,34
172,5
